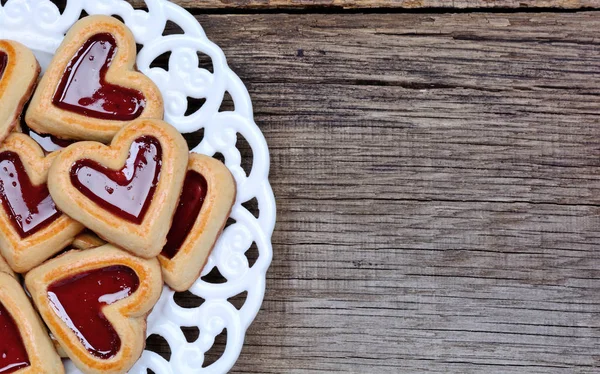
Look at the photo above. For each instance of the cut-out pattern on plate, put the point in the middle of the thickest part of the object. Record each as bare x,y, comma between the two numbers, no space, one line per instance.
41,25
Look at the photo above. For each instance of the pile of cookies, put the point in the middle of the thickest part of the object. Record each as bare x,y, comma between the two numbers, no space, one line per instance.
103,208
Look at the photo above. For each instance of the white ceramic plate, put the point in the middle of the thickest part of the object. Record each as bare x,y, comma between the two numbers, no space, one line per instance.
40,25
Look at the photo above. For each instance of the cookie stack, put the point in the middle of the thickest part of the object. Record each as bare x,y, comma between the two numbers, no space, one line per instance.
101,203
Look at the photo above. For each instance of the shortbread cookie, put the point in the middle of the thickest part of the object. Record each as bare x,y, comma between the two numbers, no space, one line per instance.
49,143
126,192
91,88
204,206
25,345
19,71
87,240
59,349
95,303
32,229
4,268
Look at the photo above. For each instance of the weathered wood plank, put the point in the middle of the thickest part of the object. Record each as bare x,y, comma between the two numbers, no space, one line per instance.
438,187
403,4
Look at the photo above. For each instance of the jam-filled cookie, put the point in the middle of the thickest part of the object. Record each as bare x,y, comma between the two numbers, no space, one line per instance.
87,240
95,303
59,349
204,206
91,88
49,143
4,268
126,192
25,345
19,71
32,229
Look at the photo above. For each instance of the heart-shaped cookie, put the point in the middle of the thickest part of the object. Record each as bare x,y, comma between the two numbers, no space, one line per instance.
126,192
49,143
91,88
4,268
95,303
87,240
204,206
25,345
19,71
32,229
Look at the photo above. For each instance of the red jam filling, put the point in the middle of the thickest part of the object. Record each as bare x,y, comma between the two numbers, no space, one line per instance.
3,62
191,200
78,301
127,193
84,90
13,355
29,207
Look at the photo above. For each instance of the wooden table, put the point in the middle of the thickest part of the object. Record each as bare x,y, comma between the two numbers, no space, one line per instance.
437,178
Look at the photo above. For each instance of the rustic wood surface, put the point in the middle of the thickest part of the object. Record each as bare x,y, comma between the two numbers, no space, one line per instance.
361,4
438,188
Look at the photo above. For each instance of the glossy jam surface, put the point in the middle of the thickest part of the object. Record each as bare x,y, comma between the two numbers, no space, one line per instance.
78,301
13,355
128,192
29,207
3,62
190,203
84,90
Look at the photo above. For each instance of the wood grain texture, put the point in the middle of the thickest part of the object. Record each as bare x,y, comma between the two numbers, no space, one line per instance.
438,188
365,4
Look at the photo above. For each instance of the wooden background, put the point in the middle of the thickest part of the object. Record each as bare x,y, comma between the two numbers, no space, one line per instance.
234,6
438,184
